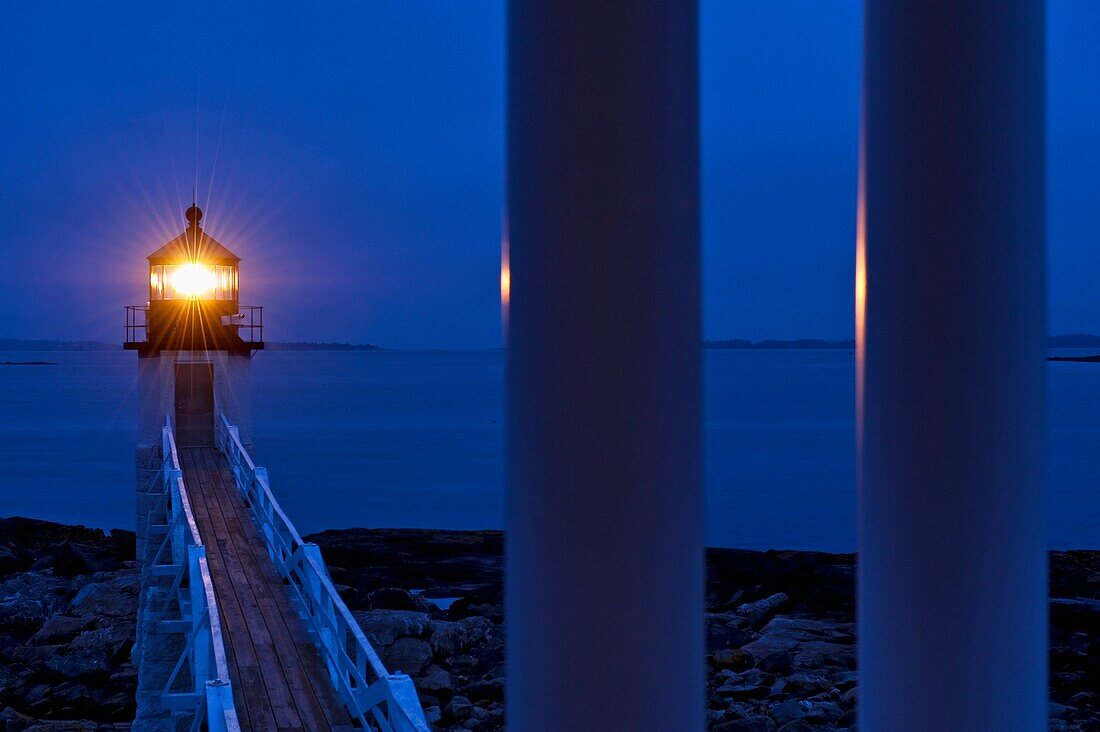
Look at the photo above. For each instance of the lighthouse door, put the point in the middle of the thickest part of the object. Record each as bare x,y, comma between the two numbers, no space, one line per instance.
194,404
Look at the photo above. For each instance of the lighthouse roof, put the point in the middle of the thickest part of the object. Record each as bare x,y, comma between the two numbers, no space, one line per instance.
194,245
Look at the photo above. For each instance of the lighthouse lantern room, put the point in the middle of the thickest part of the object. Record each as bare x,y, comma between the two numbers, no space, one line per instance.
194,340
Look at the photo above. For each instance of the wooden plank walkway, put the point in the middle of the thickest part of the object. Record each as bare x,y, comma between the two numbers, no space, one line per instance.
280,682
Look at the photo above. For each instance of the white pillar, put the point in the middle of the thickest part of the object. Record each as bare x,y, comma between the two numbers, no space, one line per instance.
604,508
952,571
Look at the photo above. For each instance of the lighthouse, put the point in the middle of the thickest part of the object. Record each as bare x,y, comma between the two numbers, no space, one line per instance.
194,340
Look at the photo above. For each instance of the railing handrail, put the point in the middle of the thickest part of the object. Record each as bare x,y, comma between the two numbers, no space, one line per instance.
212,693
172,461
332,621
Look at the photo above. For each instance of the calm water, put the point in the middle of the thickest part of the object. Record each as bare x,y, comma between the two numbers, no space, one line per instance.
396,438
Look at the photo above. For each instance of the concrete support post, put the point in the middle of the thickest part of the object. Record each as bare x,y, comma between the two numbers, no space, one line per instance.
951,314
604,508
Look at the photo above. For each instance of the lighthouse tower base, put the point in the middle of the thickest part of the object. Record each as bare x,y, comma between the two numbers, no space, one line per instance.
188,390
154,654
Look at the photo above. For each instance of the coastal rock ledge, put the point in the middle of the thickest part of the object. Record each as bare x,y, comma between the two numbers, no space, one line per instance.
780,628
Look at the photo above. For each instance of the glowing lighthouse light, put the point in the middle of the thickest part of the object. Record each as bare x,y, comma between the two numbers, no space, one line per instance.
193,280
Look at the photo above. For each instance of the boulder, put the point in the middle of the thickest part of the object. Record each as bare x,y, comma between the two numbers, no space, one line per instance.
807,683
408,655
458,709
798,725
10,562
109,595
61,629
756,723
437,682
733,659
752,684
776,663
487,690
463,664
27,600
788,711
449,638
762,608
393,598
383,627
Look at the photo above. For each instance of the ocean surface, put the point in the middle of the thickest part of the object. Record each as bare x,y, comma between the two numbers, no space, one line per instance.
414,439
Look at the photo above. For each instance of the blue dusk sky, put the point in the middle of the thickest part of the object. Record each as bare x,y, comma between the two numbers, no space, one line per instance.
352,154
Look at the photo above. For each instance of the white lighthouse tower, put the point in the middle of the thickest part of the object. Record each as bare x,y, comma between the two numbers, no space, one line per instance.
194,342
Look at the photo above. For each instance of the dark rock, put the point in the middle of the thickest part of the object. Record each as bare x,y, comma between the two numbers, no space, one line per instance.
798,725
458,709
383,627
27,600
9,680
821,654
10,563
486,690
61,629
1075,612
762,608
437,682
393,598
788,711
13,720
752,684
807,682
733,659
110,595
823,712
776,663
757,723
726,630
407,655
463,664
449,638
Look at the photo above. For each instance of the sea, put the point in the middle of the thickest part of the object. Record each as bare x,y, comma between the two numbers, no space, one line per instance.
415,439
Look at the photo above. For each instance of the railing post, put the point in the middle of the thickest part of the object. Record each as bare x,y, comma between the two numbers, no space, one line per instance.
200,626
220,707
952,566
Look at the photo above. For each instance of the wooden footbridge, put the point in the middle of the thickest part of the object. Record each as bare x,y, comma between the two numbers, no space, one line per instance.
267,642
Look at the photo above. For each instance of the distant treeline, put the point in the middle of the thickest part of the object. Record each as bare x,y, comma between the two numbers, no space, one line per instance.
306,346
800,343
1071,340
17,344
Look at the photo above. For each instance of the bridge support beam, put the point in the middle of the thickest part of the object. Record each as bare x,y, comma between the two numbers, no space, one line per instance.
951,321
604,509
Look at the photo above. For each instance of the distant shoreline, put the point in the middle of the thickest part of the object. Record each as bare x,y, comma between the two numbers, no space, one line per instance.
800,344
1071,340
16,344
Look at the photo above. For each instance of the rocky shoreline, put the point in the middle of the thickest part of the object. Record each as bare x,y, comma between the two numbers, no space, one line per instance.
780,628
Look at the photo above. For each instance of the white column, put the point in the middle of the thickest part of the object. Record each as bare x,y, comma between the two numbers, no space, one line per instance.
604,509
952,571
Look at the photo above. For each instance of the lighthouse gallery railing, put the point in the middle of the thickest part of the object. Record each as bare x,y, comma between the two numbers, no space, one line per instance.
207,692
376,698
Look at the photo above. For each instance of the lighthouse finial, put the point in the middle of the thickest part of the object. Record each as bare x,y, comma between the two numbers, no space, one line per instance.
193,215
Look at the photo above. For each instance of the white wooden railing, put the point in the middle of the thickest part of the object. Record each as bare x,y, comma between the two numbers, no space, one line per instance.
375,698
204,692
